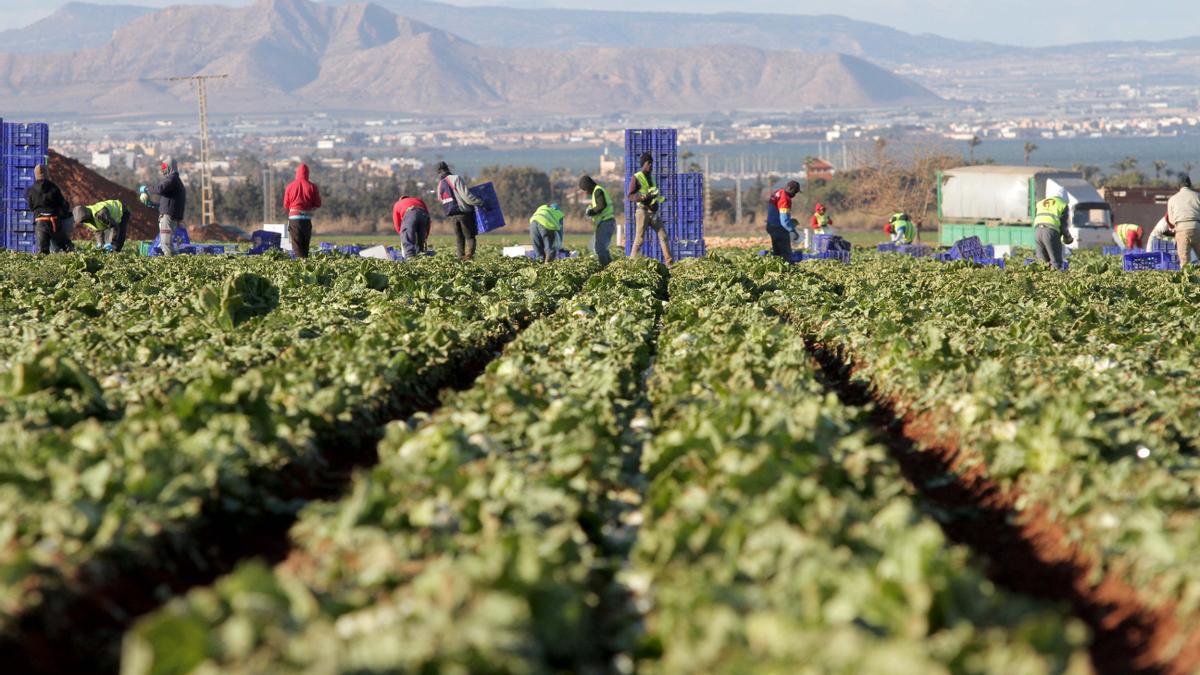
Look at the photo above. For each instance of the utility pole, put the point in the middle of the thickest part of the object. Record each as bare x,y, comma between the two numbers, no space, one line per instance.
737,204
268,190
207,208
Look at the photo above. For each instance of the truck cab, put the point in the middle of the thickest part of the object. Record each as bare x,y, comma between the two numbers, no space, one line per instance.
1091,219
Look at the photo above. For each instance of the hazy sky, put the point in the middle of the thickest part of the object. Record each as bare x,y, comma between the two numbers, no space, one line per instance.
1028,22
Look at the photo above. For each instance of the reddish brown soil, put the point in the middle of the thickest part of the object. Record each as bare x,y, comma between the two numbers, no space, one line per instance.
81,185
1028,550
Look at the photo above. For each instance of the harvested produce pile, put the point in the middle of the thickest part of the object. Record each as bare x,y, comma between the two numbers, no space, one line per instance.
637,469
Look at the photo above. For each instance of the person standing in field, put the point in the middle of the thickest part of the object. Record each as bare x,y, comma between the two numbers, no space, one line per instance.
600,210
645,193
52,220
459,205
818,224
108,221
545,229
300,199
172,203
410,217
781,227
1183,214
1050,225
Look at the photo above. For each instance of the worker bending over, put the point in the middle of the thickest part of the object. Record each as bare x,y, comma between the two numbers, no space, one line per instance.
1129,236
781,227
52,220
1051,231
644,192
1183,214
108,221
901,227
410,217
600,210
545,228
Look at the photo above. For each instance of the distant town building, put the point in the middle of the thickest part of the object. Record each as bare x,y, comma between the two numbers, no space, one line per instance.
818,169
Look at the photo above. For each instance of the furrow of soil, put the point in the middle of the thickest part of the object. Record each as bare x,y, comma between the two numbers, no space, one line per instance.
1025,549
79,626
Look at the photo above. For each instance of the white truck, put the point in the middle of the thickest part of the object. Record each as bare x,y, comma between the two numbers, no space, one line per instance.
998,203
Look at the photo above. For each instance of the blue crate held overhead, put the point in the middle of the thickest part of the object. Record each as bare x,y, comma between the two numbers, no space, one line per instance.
1158,260
490,216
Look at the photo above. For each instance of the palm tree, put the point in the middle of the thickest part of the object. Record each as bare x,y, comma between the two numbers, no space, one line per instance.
975,142
1159,165
1126,165
1030,148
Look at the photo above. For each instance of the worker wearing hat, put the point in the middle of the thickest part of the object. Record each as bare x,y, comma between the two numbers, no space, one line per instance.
901,227
459,206
643,190
108,221
51,213
172,203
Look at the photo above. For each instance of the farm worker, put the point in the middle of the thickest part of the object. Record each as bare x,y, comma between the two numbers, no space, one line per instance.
600,210
108,221
172,202
1163,231
1050,225
818,224
459,205
1128,236
52,220
901,227
1183,214
301,198
410,217
545,228
781,226
644,192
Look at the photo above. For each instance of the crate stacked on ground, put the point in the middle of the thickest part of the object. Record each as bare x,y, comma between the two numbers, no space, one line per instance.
682,210
22,147
1157,260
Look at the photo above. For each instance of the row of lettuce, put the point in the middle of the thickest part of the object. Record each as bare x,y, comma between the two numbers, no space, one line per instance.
141,401
1077,390
718,512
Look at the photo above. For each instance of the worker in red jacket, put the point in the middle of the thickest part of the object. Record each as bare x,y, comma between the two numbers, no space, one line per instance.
300,199
410,217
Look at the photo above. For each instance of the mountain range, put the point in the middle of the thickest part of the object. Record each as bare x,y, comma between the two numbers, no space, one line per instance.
303,55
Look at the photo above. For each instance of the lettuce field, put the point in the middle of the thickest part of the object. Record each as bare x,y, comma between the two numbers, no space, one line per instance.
257,465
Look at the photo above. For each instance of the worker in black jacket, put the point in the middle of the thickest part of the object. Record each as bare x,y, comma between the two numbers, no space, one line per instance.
51,212
172,201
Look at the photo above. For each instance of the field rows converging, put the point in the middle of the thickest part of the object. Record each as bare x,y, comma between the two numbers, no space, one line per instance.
166,459
732,465
1061,406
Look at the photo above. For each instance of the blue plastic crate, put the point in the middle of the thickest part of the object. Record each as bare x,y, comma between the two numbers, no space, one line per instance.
1113,250
1158,260
990,262
820,242
886,248
19,220
265,238
26,134
17,178
841,256
489,217
915,251
179,239
1167,245
24,242
967,249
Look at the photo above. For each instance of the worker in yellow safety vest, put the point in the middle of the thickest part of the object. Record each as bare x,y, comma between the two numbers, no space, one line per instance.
643,190
1051,227
108,221
1128,236
901,227
600,210
545,227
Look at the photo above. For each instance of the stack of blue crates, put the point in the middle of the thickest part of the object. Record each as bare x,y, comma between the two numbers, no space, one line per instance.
683,210
22,147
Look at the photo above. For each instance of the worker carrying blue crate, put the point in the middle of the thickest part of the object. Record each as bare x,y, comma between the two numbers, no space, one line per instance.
643,190
52,217
108,222
781,226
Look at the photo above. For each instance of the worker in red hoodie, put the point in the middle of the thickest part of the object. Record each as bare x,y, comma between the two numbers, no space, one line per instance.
300,199
410,217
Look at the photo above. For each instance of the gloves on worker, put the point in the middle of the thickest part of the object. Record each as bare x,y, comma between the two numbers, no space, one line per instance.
1067,238
797,238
